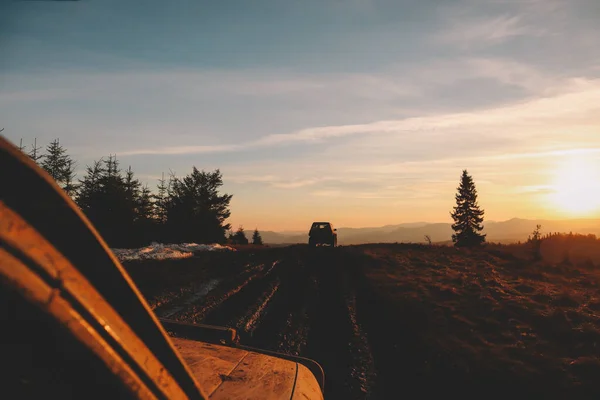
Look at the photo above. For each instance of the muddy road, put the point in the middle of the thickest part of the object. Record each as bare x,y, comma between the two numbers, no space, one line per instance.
383,323
293,301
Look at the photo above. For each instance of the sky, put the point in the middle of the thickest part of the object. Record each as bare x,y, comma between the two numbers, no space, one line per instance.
358,112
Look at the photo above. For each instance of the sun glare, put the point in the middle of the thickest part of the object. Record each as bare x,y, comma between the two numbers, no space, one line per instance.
577,186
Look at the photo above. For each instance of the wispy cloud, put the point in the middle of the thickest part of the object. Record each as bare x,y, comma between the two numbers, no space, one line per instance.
580,99
182,150
466,32
279,182
294,184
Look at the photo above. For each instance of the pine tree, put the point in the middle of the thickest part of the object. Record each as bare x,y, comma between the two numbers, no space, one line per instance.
132,192
145,206
160,200
88,195
59,166
145,222
535,241
55,160
256,238
240,236
467,215
69,184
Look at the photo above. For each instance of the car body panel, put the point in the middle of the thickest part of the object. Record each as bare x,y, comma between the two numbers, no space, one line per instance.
233,373
226,340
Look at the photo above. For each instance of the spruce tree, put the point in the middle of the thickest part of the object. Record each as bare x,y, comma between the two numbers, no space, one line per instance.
240,236
132,188
160,201
69,184
89,188
145,223
59,166
256,238
145,206
467,215
55,160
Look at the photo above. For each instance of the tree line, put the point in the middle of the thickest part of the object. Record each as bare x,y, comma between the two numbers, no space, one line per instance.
188,209
128,214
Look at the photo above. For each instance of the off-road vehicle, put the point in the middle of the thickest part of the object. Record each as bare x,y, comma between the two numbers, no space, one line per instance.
322,233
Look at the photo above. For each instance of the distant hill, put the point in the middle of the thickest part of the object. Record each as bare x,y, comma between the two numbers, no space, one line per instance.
513,230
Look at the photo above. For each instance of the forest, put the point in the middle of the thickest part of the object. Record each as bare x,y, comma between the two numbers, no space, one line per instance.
129,214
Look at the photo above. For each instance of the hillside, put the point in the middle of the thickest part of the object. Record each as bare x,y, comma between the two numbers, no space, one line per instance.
512,230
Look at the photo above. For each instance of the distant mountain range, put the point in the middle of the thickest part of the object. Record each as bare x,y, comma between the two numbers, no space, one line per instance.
510,231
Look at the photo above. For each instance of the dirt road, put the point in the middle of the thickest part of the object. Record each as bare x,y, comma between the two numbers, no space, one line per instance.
325,305
290,300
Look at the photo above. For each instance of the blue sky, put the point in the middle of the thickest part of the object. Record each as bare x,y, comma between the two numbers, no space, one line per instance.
359,112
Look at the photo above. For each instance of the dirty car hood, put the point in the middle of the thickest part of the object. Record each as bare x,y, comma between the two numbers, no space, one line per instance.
233,373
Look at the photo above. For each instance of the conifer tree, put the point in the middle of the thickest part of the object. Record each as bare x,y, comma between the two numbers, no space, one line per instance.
467,215
535,241
145,223
132,192
145,206
240,236
196,211
256,238
69,184
89,188
160,200
59,166
55,160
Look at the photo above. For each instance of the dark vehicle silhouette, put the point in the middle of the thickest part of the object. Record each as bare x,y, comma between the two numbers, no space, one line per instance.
322,233
74,325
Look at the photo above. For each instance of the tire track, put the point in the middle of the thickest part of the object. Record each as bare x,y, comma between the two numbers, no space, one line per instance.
170,310
331,337
197,312
230,310
363,369
293,338
284,325
252,319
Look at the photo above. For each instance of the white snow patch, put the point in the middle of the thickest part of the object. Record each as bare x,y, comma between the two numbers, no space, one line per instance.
160,251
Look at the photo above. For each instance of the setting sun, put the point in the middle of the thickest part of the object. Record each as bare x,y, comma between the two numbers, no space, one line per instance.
577,186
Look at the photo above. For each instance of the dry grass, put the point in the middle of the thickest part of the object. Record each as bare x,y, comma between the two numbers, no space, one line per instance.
492,316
